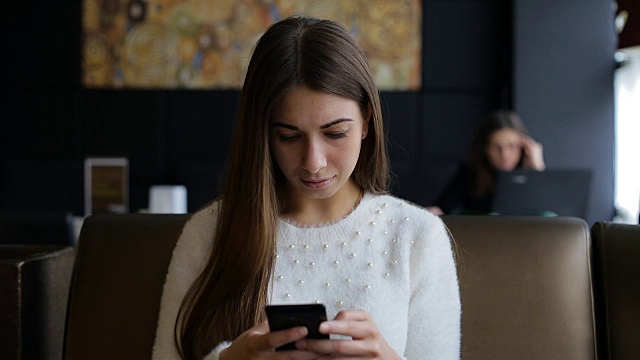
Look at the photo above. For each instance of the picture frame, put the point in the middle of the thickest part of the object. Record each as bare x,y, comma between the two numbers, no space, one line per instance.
106,186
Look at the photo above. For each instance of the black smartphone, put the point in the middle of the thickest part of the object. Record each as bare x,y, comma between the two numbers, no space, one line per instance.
282,317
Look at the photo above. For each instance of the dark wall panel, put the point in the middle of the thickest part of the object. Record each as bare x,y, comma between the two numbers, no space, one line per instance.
200,124
198,139
33,186
564,87
41,44
460,44
400,111
40,124
451,120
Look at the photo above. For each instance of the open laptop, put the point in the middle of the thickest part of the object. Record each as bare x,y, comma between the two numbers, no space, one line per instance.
563,192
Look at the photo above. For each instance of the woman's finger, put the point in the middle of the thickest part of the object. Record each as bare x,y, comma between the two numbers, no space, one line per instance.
527,143
338,347
367,341
354,323
354,314
356,329
272,340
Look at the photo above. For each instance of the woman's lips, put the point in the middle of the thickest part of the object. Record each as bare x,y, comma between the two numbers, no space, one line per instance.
318,184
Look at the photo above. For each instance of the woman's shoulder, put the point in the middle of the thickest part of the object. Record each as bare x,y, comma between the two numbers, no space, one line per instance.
415,223
201,225
406,209
193,246
206,213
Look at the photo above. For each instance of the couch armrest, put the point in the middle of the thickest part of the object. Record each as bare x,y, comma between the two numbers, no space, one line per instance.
34,287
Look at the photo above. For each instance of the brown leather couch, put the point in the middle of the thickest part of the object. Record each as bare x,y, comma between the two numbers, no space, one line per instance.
527,287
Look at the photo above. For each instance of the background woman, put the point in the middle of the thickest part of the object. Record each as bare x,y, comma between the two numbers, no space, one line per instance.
501,143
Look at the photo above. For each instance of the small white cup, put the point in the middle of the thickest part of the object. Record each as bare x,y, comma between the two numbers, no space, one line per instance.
168,199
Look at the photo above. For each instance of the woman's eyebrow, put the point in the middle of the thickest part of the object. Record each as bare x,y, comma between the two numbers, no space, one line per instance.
334,122
279,124
325,126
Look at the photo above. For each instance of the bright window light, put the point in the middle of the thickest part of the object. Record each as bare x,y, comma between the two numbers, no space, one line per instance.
627,97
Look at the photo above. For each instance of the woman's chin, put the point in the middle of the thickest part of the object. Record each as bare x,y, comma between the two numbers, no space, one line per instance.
505,168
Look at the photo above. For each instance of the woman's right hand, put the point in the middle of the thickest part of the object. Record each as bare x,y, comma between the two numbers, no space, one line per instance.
533,158
259,343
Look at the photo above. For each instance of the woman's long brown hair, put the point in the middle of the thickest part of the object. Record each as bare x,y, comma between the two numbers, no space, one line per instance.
482,174
229,295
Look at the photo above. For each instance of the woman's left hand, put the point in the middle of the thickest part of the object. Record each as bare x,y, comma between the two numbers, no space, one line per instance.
366,343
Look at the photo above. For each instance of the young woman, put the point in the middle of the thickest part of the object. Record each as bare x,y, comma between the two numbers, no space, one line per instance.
500,144
305,218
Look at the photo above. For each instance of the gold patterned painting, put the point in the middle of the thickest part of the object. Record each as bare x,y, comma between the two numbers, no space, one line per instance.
206,44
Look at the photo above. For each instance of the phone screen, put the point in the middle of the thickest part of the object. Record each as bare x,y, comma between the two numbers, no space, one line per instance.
282,317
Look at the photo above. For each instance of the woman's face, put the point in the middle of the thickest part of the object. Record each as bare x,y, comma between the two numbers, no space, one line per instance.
315,138
504,149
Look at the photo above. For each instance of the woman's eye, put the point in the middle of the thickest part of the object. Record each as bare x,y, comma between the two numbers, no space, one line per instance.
339,135
285,138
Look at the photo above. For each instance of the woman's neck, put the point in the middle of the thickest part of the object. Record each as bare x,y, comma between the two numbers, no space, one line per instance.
313,212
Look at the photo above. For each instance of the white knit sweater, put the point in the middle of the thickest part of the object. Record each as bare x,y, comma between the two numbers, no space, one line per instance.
388,257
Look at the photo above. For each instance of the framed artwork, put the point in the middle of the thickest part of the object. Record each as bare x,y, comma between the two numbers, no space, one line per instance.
206,44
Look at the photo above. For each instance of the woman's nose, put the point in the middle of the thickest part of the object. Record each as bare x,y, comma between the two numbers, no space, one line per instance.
314,158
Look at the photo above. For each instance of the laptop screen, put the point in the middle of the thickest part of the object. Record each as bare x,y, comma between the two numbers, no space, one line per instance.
563,192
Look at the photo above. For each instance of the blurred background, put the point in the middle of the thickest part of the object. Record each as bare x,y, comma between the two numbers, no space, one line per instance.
552,61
